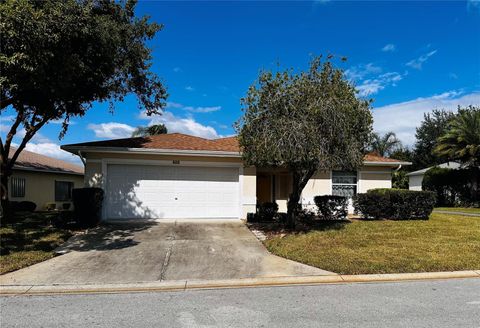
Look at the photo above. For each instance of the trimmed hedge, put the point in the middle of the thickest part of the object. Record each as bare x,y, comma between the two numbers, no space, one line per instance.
87,203
22,206
398,204
332,207
266,211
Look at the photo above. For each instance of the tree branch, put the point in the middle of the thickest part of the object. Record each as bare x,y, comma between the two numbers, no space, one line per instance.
28,136
8,140
4,103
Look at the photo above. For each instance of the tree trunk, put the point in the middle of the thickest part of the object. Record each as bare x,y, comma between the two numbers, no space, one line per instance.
300,179
5,212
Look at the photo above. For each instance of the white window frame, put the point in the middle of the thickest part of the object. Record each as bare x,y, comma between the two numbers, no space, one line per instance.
332,184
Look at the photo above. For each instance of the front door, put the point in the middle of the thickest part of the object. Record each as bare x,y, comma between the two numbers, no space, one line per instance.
264,188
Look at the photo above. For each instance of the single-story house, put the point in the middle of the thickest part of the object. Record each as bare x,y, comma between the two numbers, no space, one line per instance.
415,178
43,180
182,176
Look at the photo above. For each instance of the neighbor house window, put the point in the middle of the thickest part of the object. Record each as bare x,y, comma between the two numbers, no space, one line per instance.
344,183
17,186
63,190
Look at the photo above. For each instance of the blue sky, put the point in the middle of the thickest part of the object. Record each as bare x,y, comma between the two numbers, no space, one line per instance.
410,57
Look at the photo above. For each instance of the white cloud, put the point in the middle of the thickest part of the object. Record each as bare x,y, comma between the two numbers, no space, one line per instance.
174,105
418,62
389,47
194,109
177,69
372,86
402,118
202,109
186,125
361,71
189,88
453,76
112,130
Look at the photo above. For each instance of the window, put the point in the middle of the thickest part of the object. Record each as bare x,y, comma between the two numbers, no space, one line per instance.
17,186
63,190
344,183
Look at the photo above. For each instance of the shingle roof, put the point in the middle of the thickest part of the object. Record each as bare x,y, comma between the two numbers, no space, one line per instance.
176,141
179,141
33,161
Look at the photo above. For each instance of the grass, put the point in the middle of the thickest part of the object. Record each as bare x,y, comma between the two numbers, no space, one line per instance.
443,243
28,241
460,209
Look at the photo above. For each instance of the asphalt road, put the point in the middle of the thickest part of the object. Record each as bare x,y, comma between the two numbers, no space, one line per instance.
450,303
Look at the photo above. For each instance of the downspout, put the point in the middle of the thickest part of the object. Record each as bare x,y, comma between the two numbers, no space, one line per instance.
398,168
81,158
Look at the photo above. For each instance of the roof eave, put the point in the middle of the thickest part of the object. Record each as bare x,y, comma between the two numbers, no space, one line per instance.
31,169
207,153
379,163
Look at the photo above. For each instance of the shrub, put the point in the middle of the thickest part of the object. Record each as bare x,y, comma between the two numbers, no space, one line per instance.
332,207
267,211
452,186
87,203
395,204
23,206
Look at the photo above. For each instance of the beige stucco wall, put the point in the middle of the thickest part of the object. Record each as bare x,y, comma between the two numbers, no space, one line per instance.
415,182
40,186
371,180
249,190
319,184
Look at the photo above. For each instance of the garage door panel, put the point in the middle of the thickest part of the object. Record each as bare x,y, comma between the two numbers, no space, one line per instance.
149,191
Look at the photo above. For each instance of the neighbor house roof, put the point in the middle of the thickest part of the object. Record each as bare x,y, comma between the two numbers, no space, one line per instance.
31,161
448,165
185,143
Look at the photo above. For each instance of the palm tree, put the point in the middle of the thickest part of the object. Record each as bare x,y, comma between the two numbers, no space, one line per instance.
145,131
461,141
384,145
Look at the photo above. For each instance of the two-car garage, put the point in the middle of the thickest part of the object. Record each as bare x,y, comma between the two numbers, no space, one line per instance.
171,191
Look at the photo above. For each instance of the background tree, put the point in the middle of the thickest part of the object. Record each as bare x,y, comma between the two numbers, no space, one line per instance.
58,57
434,125
461,143
384,145
152,130
305,122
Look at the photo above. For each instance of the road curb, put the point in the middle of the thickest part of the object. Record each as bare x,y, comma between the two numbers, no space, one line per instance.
183,285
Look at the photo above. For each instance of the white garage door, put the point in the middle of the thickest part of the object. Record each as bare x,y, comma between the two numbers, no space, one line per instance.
151,191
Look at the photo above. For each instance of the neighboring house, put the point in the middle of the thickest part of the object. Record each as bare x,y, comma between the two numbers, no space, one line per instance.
42,179
182,176
415,178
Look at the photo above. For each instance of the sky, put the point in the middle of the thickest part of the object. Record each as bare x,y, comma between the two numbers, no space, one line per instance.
409,57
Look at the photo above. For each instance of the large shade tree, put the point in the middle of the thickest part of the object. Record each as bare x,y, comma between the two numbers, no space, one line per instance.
58,57
305,122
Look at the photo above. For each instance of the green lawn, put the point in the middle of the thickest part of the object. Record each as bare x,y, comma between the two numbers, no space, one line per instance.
443,243
460,209
29,241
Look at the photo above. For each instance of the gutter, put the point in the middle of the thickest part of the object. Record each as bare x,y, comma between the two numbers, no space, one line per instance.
207,153
82,158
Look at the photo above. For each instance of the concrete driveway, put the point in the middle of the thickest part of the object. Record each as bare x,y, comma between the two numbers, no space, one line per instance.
152,251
